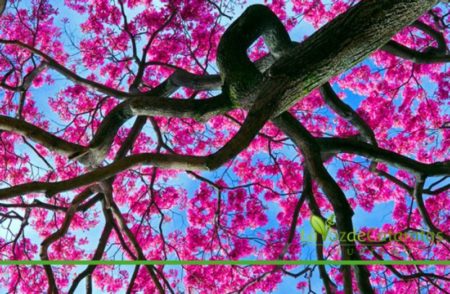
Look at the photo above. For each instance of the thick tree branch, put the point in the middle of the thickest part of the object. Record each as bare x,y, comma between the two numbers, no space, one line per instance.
156,106
2,6
102,173
338,46
182,78
38,135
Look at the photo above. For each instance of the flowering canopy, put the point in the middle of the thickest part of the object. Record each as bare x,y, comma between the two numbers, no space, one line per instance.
214,130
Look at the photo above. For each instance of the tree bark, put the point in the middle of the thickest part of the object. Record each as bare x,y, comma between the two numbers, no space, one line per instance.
337,47
2,6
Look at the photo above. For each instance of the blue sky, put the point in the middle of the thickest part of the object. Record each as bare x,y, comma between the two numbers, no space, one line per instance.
380,214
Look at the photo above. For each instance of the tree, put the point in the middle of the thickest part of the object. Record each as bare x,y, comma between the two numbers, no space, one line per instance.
170,130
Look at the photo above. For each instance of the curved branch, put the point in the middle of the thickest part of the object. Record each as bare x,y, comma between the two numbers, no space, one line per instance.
347,113
239,74
160,106
436,35
341,145
415,56
183,78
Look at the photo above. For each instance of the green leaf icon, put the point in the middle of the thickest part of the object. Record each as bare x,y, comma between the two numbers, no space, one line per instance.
319,226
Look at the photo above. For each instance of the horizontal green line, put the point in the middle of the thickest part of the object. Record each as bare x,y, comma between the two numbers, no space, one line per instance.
224,262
